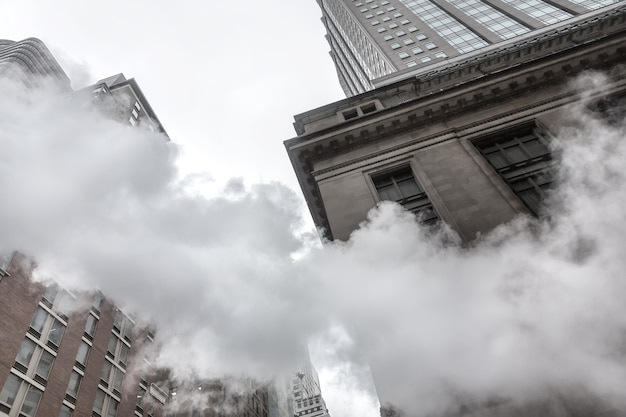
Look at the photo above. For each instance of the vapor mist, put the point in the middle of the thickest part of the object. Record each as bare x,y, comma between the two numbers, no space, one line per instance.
533,308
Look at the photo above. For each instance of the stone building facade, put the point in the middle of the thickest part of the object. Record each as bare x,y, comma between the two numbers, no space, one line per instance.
467,144
437,142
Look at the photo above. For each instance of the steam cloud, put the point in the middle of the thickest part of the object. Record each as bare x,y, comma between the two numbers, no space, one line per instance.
530,309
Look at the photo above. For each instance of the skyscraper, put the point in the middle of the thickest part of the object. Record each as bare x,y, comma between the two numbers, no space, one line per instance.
307,394
373,42
30,61
463,138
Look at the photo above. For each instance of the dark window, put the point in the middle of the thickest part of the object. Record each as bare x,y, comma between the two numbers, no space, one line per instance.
400,186
525,162
350,114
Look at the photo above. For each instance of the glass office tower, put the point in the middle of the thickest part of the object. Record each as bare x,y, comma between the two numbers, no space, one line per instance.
376,40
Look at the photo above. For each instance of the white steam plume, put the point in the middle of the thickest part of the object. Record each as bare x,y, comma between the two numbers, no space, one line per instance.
523,313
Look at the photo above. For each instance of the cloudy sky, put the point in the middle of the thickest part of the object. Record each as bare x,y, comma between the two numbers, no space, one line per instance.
225,78
102,205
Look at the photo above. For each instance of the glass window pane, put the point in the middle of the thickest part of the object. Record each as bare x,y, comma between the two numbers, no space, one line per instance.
124,350
106,371
140,394
128,330
65,411
112,409
45,364
9,391
112,347
26,352
56,333
389,193
98,404
39,319
50,293
83,353
409,187
74,384
90,326
117,380
29,406
97,301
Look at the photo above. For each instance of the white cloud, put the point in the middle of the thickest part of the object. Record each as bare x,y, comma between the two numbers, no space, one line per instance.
524,312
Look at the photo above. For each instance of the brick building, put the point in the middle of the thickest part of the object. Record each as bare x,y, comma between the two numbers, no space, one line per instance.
65,354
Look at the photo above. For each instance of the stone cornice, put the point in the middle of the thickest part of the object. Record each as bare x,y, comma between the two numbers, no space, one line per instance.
433,100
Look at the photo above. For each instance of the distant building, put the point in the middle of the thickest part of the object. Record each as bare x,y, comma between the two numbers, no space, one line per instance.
375,42
65,354
30,61
60,360
465,141
125,102
307,394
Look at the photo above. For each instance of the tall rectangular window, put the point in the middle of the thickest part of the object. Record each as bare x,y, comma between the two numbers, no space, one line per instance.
523,159
402,187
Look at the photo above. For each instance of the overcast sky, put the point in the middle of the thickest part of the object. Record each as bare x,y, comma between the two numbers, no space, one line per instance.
224,77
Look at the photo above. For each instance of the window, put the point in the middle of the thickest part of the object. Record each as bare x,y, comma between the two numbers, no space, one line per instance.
523,159
50,294
441,55
90,326
403,55
401,186
395,45
34,361
412,29
421,37
426,59
18,394
350,114
387,37
430,45
65,411
82,355
417,50
105,405
97,302
381,30
404,22
386,18
118,350
375,22
111,377
400,33
74,384
393,26
411,64
408,41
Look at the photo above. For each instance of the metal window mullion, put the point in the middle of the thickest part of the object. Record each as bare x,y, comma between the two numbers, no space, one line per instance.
522,147
536,187
503,153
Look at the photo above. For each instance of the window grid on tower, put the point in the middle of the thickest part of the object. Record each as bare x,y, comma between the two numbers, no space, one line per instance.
540,10
456,34
492,19
594,4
